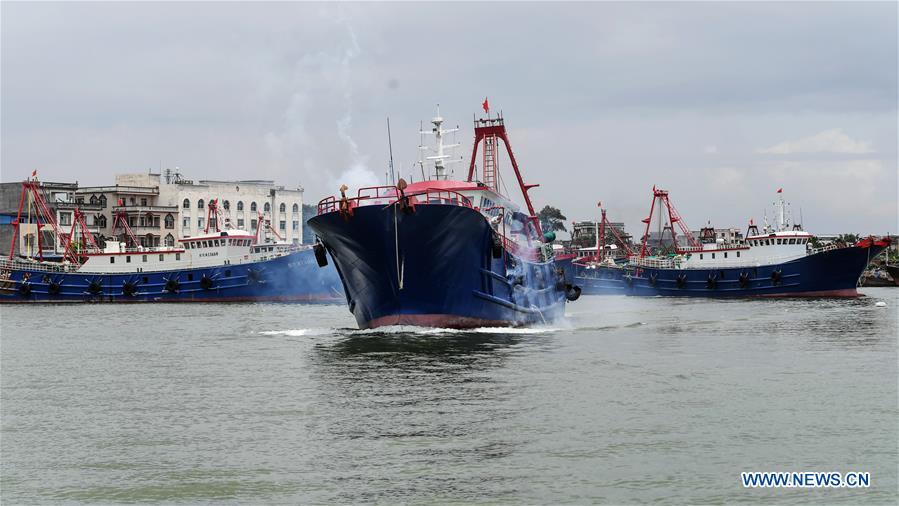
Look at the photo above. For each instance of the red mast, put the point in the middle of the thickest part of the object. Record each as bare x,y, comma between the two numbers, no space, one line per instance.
673,217
121,219
489,130
31,189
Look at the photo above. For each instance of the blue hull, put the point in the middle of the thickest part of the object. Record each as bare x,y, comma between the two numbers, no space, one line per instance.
435,267
833,273
293,277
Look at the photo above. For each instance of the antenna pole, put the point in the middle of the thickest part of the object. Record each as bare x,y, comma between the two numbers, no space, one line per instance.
390,149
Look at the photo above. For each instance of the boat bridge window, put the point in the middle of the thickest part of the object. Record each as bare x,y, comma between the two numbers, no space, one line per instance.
112,260
725,254
713,256
780,241
161,257
738,254
177,256
144,259
700,256
128,259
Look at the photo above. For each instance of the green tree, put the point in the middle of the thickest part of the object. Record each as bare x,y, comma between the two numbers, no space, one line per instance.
552,219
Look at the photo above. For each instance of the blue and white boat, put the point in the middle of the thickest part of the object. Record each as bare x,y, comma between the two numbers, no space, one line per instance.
221,265
443,253
778,261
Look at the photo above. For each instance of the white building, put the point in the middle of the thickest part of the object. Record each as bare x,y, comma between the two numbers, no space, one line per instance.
163,208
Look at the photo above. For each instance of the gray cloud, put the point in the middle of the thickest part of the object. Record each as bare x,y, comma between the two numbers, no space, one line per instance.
603,100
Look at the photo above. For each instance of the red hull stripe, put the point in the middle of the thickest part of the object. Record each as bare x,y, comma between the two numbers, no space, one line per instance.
448,321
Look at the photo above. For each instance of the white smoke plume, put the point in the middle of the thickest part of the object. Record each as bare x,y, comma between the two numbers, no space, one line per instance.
320,88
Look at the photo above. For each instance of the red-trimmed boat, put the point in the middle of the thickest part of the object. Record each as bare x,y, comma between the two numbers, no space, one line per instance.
443,253
777,261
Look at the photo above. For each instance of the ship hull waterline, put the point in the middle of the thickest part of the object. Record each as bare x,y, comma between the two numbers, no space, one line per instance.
435,267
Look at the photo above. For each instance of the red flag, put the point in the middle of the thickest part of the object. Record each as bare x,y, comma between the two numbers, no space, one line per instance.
780,190
486,106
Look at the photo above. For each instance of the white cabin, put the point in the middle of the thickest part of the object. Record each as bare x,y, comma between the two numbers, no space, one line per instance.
221,248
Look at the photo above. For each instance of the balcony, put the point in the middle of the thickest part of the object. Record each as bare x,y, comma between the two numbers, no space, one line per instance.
84,206
137,209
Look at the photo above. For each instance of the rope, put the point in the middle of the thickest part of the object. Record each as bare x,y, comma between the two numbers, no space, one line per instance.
396,238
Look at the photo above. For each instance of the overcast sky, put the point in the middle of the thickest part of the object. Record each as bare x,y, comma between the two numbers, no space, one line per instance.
721,103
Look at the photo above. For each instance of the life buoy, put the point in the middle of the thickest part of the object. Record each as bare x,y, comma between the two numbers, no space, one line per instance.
25,289
775,276
744,280
652,279
172,285
712,282
207,283
129,288
681,280
53,288
95,288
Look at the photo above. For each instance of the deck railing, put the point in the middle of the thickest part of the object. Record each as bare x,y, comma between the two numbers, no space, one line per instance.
373,193
22,265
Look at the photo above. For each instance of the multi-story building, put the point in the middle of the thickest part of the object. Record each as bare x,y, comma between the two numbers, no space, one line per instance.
135,199
245,205
161,210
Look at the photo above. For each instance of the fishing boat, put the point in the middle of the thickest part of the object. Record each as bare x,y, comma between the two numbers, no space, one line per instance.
443,252
218,265
777,261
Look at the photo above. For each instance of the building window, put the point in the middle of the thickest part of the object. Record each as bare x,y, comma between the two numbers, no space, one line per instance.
296,225
200,204
170,240
296,208
253,224
282,225
100,220
65,218
253,207
240,205
186,204
169,221
239,222
185,222
102,201
227,205
132,201
143,201
282,208
267,208
94,200
200,223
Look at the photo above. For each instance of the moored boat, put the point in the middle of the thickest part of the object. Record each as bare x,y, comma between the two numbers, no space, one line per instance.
220,265
778,261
